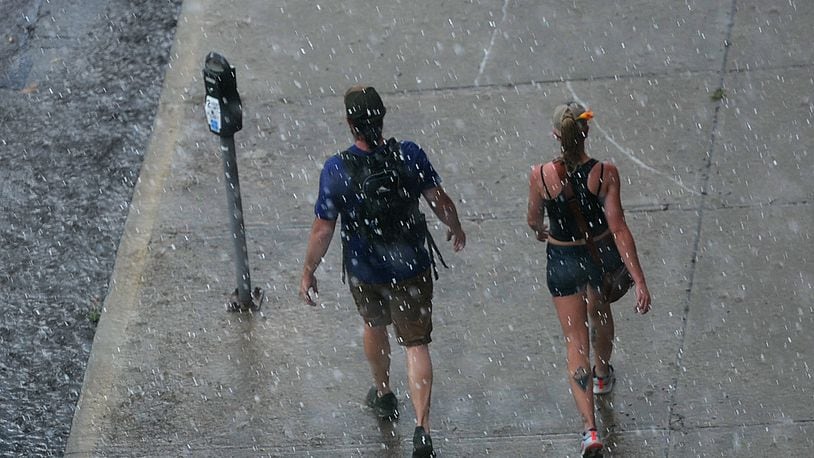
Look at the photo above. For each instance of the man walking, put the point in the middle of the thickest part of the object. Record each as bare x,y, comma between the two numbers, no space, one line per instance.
375,186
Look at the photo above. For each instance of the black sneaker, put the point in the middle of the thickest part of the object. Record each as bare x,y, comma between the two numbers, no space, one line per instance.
422,444
385,407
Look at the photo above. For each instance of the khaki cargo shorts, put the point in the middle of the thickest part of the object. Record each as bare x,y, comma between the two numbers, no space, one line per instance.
407,305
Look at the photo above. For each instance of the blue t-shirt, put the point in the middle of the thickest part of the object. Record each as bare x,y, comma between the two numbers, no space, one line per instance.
363,261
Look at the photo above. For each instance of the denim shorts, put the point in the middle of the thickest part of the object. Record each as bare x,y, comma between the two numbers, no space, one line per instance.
571,268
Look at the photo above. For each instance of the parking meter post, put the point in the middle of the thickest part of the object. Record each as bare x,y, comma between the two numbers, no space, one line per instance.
235,206
224,116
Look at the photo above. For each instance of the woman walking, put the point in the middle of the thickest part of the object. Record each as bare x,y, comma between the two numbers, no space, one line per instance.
573,276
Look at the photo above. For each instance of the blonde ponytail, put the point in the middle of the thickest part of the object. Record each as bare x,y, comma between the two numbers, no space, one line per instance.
571,127
572,139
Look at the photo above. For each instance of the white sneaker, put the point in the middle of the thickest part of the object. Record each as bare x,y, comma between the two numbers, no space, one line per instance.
604,385
591,445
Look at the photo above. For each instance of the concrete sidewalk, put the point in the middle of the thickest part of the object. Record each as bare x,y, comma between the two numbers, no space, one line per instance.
719,199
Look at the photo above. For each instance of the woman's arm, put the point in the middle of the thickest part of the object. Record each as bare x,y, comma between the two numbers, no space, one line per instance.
622,236
536,210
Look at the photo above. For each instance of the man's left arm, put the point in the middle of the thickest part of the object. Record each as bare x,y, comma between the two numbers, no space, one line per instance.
445,210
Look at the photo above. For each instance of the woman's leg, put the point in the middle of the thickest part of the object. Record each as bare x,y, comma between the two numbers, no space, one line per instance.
573,315
602,331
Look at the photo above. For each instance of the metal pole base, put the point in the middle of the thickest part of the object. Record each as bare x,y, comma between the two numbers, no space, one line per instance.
234,304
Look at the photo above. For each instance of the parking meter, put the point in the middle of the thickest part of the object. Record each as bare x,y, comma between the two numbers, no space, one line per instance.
224,116
224,113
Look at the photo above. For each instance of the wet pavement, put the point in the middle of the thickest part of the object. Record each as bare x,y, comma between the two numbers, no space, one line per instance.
706,108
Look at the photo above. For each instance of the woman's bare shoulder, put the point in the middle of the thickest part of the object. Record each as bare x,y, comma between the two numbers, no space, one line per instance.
609,170
548,168
535,171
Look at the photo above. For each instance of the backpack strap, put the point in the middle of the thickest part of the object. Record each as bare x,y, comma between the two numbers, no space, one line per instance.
432,247
354,165
345,157
344,254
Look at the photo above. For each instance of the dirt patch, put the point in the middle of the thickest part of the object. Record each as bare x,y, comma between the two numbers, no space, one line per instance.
80,83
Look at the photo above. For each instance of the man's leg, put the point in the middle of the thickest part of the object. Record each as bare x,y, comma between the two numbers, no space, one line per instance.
411,310
377,351
419,376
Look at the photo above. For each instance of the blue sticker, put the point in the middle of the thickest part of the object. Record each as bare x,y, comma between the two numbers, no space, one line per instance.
212,109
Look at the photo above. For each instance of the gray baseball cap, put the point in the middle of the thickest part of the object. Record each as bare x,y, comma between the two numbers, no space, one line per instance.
363,102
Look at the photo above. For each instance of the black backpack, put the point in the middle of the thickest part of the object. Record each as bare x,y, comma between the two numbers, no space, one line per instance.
389,213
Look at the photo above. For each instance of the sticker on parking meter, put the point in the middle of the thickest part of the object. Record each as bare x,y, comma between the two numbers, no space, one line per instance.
212,108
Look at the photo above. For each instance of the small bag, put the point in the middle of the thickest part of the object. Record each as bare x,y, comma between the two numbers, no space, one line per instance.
614,284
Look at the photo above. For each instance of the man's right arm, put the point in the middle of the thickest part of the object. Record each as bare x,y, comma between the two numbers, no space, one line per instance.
322,231
445,210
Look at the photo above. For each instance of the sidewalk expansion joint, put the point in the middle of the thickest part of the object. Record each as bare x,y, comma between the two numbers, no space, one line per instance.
705,176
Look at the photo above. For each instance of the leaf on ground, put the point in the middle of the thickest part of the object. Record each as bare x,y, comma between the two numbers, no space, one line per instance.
31,88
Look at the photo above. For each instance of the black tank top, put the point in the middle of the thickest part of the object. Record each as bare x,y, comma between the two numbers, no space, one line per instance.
562,225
